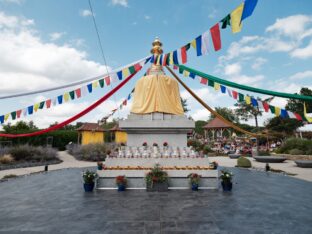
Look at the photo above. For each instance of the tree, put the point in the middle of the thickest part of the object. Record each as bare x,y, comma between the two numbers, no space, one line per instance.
20,126
246,111
295,105
283,125
226,113
184,105
199,124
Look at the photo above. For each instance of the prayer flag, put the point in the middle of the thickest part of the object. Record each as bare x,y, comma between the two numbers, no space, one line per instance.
13,115
30,109
119,74
291,115
183,55
158,60
205,42
78,92
234,93
72,95
216,37
6,117
277,111
272,109
260,104
203,81
199,45
175,57
129,96
216,86
266,106
113,77
165,60
48,103
171,58
229,92
193,43
25,111
226,21
18,113
298,117
107,80
124,102
241,97
66,97
54,101
41,105
132,69
89,86
152,59
125,72
284,113
192,75
254,102
249,7
211,83
223,88
247,99
186,73
60,99
2,119
36,106
95,84
101,82
236,16
137,67
308,118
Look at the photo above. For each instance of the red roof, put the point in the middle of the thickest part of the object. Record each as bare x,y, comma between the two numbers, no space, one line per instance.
91,127
216,123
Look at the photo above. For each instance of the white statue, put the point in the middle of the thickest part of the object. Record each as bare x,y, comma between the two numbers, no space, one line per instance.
184,154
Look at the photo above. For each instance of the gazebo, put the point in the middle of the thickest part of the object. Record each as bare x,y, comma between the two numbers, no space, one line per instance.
217,128
90,133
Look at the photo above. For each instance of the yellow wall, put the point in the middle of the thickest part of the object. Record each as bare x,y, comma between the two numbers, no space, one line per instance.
120,137
88,137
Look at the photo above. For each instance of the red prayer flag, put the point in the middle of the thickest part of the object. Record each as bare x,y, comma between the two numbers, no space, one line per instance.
107,80
175,67
266,106
203,81
137,67
124,102
18,113
48,103
298,117
78,93
183,54
216,38
165,60
234,94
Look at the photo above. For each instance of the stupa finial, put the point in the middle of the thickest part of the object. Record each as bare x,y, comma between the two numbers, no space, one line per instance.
157,47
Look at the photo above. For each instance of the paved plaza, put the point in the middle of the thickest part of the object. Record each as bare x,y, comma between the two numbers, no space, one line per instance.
55,202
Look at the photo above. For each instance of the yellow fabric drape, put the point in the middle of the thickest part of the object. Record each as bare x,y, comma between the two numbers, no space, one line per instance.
305,113
236,16
157,93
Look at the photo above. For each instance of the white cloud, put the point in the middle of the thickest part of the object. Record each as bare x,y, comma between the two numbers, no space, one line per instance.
258,63
248,80
147,17
301,75
56,35
85,13
212,14
13,1
303,53
232,69
123,3
201,114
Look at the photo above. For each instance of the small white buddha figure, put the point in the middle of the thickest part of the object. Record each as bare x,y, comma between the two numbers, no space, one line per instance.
193,154
184,154
137,153
175,153
167,154
128,153
145,154
121,154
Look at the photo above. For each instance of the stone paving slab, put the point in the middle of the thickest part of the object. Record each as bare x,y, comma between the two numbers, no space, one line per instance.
55,202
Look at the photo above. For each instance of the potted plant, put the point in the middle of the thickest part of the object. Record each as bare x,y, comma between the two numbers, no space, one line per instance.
144,145
194,181
156,180
121,182
155,144
213,165
88,179
99,165
226,180
165,144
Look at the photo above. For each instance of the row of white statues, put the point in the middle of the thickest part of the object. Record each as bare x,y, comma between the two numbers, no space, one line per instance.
155,152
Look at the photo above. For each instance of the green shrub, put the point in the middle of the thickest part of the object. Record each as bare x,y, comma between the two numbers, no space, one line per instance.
33,153
243,162
296,143
296,152
264,153
207,149
89,152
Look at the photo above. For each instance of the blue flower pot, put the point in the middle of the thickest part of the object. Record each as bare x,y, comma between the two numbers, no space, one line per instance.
195,187
121,187
99,167
88,187
227,186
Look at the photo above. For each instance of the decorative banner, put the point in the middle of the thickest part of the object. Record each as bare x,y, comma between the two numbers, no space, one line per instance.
249,99
201,43
75,94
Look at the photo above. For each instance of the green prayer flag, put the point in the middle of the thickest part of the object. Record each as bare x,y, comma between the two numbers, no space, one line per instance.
72,94
181,70
101,81
167,59
211,83
13,114
132,69
187,46
226,21
241,97
41,105
272,108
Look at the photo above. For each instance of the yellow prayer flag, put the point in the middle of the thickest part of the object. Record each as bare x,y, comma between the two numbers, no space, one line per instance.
236,16
158,60
216,86
309,119
247,99
66,97
186,73
95,84
193,43
125,72
277,111
36,107
171,58
6,117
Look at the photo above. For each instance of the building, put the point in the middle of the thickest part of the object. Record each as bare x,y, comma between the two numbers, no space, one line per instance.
90,133
217,128
117,135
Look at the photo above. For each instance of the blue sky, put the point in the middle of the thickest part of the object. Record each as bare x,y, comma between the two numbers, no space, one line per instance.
47,43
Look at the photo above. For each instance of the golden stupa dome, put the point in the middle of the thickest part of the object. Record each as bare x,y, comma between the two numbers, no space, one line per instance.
157,92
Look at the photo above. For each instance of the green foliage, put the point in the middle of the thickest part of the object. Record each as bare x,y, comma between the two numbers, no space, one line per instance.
19,126
297,105
264,153
207,149
156,175
89,177
283,125
296,152
184,105
196,144
32,153
89,152
243,162
9,176
226,176
226,113
194,178
296,143
199,124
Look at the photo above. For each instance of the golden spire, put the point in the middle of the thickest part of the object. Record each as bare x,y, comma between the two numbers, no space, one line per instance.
157,50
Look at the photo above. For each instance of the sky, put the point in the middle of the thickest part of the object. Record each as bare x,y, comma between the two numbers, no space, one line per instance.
53,42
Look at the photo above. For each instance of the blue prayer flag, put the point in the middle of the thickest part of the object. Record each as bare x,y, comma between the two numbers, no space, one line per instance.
30,110
119,74
254,102
2,119
192,75
249,7
89,86
152,59
199,45
148,59
284,113
223,88
160,60
175,57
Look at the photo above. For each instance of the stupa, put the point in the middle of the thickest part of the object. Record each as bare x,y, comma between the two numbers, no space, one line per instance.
157,114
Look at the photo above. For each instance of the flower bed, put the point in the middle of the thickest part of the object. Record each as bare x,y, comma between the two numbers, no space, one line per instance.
162,168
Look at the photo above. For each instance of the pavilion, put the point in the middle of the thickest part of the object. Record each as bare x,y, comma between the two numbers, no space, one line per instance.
216,127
